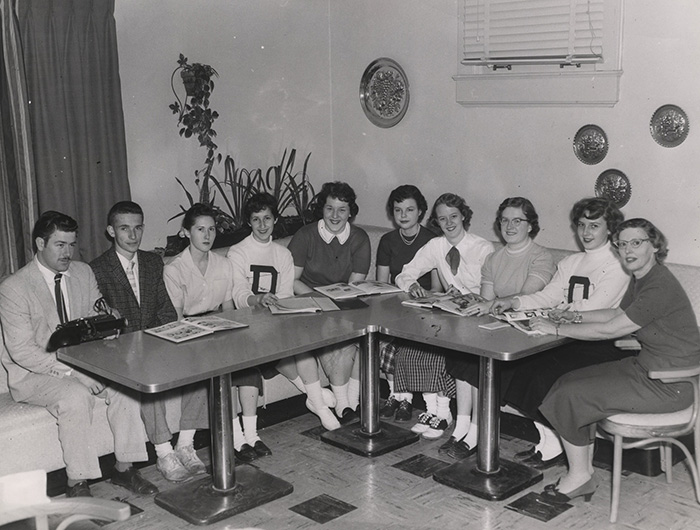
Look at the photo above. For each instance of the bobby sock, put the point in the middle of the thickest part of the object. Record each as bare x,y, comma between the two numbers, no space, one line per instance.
472,437
250,428
122,466
443,407
298,383
238,436
391,387
430,399
353,392
404,396
341,397
540,431
462,426
185,438
551,446
163,450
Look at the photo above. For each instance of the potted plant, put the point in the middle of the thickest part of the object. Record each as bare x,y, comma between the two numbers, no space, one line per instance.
195,117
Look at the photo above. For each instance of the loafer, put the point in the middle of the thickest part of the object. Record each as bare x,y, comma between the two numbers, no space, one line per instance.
81,489
524,455
537,463
460,450
348,416
442,450
404,413
245,454
132,480
389,408
261,449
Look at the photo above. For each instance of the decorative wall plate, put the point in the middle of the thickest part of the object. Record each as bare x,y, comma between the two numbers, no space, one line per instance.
590,144
669,126
614,185
384,92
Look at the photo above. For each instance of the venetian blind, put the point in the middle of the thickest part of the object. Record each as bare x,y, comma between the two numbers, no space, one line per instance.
508,32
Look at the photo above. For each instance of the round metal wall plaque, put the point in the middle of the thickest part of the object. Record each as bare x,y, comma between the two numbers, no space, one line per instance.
384,92
669,126
590,144
614,185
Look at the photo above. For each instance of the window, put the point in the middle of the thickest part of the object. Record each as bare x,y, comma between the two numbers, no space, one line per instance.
528,40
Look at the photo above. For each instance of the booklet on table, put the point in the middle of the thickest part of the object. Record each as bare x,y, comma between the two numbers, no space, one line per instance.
193,327
303,304
339,291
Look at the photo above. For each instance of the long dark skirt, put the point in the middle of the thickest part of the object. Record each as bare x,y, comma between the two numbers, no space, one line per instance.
465,366
534,377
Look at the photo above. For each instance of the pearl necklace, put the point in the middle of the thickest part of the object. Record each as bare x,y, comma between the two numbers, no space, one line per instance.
408,241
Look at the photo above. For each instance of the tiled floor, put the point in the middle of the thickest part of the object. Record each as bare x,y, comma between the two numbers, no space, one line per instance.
340,490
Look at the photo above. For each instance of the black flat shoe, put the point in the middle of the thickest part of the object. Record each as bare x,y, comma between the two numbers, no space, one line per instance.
348,416
245,454
460,450
444,448
537,463
552,495
389,408
81,489
524,455
132,480
261,449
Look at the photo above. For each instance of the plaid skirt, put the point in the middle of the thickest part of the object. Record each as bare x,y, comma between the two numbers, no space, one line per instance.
387,355
421,368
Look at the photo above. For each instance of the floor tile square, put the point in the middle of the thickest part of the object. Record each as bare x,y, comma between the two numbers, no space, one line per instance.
535,506
420,465
323,508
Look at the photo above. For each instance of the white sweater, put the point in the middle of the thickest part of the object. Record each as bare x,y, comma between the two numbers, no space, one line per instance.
600,269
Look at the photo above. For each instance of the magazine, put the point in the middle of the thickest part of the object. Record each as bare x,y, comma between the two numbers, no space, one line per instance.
459,305
426,301
193,327
338,291
287,306
513,316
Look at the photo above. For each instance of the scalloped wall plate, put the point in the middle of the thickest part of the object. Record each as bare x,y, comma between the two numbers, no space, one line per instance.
669,126
384,93
613,184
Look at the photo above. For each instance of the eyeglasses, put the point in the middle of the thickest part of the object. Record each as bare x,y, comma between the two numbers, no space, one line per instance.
503,221
634,243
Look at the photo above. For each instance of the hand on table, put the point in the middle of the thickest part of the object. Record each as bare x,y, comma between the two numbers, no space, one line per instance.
562,316
266,299
501,304
416,291
544,325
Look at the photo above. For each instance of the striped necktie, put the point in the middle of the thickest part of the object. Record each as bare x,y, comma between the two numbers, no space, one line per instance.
60,301
132,278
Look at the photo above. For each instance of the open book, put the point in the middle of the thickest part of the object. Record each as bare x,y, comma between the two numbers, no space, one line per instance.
303,304
520,319
453,304
338,291
193,327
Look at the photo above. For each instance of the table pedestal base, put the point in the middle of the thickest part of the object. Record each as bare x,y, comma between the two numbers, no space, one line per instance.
510,479
351,438
198,503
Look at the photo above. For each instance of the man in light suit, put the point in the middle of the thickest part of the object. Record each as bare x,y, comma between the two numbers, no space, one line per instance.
49,290
131,281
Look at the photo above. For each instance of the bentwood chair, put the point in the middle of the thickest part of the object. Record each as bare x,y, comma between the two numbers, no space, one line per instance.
23,497
638,430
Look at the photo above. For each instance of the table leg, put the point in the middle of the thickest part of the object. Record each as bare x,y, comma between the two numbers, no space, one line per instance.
486,476
230,490
369,437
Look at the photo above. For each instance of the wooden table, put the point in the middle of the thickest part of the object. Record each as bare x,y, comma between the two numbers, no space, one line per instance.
272,337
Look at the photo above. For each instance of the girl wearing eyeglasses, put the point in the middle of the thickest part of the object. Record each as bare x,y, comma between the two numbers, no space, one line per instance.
520,267
657,309
588,280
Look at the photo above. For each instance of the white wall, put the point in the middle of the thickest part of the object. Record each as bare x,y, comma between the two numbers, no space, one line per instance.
290,73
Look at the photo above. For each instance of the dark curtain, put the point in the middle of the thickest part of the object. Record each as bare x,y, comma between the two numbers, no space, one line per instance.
72,71
18,206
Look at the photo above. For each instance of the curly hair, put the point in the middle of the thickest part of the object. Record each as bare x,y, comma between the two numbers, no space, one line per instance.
528,209
405,192
656,237
595,208
453,201
197,210
336,190
257,203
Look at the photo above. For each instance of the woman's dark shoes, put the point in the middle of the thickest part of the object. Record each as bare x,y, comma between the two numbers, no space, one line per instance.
81,489
245,454
457,449
404,413
389,408
552,495
536,461
348,416
524,455
132,480
261,449
442,450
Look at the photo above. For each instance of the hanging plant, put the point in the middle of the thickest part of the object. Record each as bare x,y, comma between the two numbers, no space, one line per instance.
194,116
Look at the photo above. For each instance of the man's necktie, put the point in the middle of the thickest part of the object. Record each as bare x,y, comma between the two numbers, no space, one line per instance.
453,260
60,302
132,278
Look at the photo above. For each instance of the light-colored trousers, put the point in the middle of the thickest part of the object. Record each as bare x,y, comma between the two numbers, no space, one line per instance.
72,404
